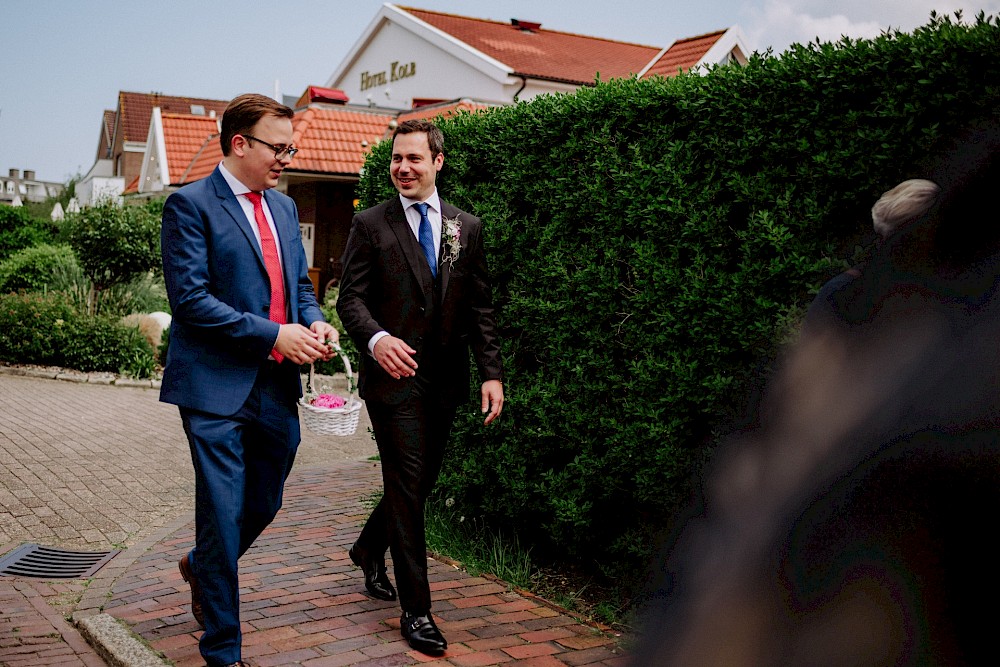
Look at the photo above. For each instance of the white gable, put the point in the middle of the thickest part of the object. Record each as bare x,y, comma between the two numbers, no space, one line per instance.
400,57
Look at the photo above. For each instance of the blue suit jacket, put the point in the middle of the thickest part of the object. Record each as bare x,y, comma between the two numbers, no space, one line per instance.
219,293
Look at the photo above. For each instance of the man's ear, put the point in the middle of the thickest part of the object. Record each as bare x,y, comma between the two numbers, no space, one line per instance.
439,161
239,145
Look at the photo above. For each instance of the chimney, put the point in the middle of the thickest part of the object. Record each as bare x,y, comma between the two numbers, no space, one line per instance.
15,173
29,175
526,26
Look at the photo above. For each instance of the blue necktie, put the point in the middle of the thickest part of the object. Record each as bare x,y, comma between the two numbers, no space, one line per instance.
427,238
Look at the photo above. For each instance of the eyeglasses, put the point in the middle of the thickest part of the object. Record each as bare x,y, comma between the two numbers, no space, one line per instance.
280,152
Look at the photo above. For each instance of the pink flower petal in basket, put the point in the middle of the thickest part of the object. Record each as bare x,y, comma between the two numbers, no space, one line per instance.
329,401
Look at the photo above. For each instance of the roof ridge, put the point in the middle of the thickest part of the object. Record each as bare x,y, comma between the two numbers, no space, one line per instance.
702,36
507,24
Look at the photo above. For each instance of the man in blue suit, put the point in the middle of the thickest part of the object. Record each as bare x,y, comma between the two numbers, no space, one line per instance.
244,317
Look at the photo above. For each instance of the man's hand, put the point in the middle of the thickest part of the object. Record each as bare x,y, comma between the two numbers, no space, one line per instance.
326,334
394,356
492,391
299,344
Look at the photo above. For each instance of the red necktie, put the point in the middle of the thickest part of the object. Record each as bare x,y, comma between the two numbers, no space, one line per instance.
270,251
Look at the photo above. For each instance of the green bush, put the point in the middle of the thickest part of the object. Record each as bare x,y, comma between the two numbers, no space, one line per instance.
114,244
329,308
36,268
650,241
45,329
18,230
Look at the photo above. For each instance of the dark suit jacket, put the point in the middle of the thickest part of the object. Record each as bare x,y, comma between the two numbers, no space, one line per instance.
219,293
387,286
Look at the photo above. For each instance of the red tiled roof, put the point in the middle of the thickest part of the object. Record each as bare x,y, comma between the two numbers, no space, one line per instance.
444,110
132,187
185,136
684,54
541,53
136,109
336,139
204,162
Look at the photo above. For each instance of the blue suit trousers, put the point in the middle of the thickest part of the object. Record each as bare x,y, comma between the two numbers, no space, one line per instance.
241,462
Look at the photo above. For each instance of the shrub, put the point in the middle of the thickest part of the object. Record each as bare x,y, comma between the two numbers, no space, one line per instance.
329,308
114,244
18,230
45,329
36,268
650,240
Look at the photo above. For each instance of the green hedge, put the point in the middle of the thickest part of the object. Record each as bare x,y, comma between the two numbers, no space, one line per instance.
47,330
36,268
19,230
650,241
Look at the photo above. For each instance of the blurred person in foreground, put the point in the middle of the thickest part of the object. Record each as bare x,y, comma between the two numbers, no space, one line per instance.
853,525
244,318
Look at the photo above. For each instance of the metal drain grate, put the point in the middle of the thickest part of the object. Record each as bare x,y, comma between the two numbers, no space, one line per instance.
33,560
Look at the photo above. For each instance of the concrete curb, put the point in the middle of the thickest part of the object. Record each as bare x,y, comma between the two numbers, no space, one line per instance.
116,644
68,375
111,638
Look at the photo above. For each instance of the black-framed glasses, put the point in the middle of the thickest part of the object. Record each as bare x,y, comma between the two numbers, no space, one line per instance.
280,152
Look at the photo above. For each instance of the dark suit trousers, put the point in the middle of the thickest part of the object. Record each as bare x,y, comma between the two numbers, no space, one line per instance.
240,463
411,439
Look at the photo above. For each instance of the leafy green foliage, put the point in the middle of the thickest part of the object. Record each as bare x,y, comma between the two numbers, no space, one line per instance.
650,241
114,244
35,267
18,230
329,308
45,329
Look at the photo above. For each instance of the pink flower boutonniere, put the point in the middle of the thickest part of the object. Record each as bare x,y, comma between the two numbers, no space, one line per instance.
452,230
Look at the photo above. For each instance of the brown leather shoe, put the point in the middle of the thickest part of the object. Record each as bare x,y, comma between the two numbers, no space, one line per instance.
188,575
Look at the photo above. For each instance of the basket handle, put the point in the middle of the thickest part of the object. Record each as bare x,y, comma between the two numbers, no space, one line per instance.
347,371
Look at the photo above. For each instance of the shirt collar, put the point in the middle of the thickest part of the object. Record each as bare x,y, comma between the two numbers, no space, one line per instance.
433,201
234,183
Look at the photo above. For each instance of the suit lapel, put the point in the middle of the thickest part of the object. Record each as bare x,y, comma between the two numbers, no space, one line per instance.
444,268
228,202
396,220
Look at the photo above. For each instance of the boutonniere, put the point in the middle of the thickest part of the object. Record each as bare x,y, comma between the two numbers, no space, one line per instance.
452,228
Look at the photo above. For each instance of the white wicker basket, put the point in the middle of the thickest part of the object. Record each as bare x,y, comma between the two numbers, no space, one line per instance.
332,421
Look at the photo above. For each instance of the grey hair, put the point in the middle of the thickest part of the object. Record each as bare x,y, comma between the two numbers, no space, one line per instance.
903,204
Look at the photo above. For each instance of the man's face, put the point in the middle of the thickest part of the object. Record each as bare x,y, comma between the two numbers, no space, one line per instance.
413,170
259,170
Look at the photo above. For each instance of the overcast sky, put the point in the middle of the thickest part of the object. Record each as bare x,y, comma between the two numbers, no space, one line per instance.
62,62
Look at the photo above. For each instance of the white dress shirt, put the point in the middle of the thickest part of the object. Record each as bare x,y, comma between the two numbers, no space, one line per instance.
413,220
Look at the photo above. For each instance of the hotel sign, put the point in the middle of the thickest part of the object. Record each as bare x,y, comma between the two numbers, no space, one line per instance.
395,72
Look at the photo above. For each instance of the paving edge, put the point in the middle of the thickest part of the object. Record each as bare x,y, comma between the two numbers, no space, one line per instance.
116,644
111,638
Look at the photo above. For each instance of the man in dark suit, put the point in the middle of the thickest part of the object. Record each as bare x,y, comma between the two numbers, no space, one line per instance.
244,317
416,294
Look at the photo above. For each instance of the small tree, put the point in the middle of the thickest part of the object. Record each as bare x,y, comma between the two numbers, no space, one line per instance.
114,244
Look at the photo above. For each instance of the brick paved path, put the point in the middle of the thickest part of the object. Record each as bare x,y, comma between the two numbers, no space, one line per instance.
33,633
95,467
303,601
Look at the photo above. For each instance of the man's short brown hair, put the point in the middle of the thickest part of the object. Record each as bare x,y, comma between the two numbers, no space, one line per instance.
435,139
244,112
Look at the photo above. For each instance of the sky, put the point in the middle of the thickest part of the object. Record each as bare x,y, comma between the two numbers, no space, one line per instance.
63,62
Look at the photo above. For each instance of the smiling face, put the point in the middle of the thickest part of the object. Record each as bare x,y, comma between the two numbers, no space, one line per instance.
252,162
413,170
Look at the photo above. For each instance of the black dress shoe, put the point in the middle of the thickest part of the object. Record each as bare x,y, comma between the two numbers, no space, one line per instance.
376,580
422,634
188,575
